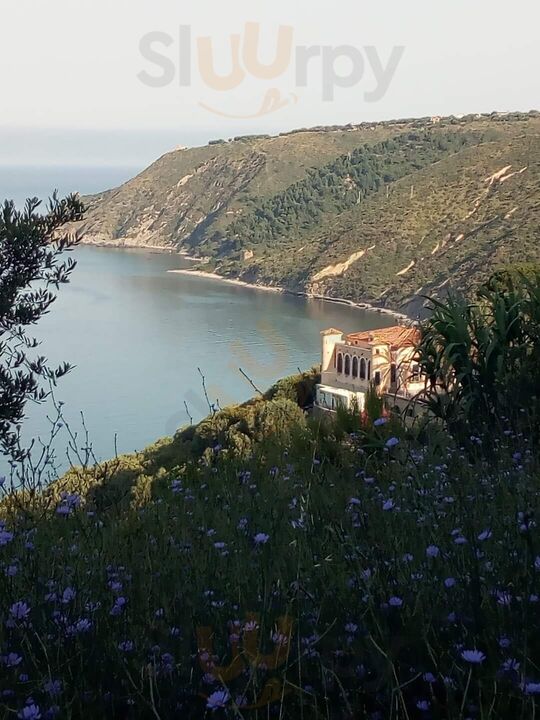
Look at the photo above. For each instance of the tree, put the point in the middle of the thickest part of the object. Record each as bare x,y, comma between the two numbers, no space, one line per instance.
32,268
482,358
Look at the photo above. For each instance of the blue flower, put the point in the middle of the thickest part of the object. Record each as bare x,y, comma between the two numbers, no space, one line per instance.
531,688
474,657
218,699
19,610
5,537
392,442
261,539
30,712
11,659
395,602
433,551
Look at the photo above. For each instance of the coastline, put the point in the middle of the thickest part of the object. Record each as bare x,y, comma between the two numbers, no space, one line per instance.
310,296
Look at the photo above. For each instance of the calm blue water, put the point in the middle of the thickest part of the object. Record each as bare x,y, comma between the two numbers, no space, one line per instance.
138,334
20,183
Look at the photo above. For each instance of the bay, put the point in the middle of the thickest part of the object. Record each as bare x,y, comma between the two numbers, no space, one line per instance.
142,339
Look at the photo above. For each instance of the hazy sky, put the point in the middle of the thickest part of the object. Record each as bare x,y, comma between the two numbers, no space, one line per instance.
71,69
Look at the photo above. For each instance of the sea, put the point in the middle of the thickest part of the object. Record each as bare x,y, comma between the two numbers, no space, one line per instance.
151,350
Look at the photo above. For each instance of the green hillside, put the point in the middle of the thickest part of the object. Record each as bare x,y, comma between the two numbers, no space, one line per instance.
382,213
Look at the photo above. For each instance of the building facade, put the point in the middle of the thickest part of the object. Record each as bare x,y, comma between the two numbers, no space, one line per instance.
384,359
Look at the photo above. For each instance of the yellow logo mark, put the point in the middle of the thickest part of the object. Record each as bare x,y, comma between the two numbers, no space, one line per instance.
249,657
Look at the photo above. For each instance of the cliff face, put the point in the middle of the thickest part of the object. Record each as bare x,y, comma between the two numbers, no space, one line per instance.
384,213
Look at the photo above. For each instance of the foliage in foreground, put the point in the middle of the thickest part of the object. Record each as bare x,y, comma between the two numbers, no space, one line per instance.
31,269
373,574
268,564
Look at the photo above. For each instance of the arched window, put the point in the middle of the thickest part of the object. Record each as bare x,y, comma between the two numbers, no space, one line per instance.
355,367
362,369
393,373
340,363
378,378
369,370
347,364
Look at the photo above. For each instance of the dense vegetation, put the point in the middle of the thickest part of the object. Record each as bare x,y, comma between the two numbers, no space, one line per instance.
271,564
384,213
32,267
340,185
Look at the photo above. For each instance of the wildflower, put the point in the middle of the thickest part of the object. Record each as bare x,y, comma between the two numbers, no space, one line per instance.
511,665
19,610
486,535
429,678
30,712
261,538
423,705
395,602
537,564
351,628
5,537
11,660
380,422
176,487
218,699
82,626
433,551
392,443
388,505
68,596
53,687
474,657
531,688
449,583
118,607
126,646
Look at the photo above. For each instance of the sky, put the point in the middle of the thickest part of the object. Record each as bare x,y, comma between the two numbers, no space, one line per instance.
119,82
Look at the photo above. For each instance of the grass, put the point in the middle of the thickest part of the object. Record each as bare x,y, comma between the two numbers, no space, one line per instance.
335,570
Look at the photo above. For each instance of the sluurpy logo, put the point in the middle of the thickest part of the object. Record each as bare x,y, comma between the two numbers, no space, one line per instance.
188,61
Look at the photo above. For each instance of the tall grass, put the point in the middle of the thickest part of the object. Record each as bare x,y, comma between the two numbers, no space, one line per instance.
373,574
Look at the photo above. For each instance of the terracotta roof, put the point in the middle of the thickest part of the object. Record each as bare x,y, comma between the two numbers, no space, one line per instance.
395,337
332,331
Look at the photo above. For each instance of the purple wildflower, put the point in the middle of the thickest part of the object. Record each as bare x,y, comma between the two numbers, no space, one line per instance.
395,602
218,699
432,551
5,537
531,688
261,538
392,443
11,660
474,657
30,712
19,610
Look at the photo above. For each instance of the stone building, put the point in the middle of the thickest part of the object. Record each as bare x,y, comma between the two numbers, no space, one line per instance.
384,359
